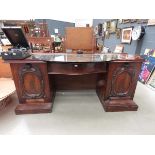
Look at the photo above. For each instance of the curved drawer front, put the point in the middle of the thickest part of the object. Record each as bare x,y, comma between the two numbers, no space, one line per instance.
76,68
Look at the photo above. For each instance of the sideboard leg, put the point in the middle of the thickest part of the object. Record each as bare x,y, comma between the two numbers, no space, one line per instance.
119,105
33,108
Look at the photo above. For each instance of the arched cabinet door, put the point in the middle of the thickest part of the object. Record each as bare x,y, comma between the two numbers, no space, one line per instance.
31,82
122,79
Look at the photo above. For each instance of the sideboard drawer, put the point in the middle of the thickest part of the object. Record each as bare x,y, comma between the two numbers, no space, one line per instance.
76,68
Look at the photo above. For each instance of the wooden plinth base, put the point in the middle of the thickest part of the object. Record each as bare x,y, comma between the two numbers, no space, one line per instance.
33,108
119,105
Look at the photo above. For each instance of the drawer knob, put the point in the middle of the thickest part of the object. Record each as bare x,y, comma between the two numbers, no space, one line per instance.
76,66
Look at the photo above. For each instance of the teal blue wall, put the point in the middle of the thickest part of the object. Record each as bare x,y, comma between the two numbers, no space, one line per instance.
136,47
55,24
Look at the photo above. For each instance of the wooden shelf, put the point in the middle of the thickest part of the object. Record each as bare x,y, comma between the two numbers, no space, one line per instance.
77,73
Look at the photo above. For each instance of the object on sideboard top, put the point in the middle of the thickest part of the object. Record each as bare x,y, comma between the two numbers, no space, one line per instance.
69,50
105,50
16,36
21,48
119,49
15,54
79,52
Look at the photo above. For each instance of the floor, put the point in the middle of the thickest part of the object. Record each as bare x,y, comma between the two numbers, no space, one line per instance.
82,113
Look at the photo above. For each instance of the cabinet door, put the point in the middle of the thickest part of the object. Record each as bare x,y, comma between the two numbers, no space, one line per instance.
122,79
31,80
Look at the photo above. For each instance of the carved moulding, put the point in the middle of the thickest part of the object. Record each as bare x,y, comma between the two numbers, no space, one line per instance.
31,81
122,81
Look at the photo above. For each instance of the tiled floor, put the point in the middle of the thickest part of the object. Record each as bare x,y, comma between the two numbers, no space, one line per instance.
82,113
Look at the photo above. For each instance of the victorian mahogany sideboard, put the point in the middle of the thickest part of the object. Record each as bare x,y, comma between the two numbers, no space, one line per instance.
113,76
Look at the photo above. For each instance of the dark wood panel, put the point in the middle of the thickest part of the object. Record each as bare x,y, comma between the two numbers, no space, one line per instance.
78,82
31,81
123,77
34,85
76,68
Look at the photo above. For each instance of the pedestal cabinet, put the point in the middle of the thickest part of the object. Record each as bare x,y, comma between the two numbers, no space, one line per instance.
32,85
120,87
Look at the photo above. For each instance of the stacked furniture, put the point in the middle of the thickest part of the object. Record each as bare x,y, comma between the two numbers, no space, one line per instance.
146,75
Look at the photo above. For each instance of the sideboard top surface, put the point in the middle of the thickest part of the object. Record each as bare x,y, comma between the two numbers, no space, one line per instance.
67,57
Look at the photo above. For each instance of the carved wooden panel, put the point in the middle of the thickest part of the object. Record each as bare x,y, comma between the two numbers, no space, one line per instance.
31,82
122,81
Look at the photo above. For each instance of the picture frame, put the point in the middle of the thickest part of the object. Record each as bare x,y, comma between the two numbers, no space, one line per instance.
107,34
145,20
113,26
103,32
141,21
119,49
104,26
120,21
96,30
151,81
56,31
126,35
118,33
151,22
133,20
124,21
148,66
108,25
100,29
146,71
